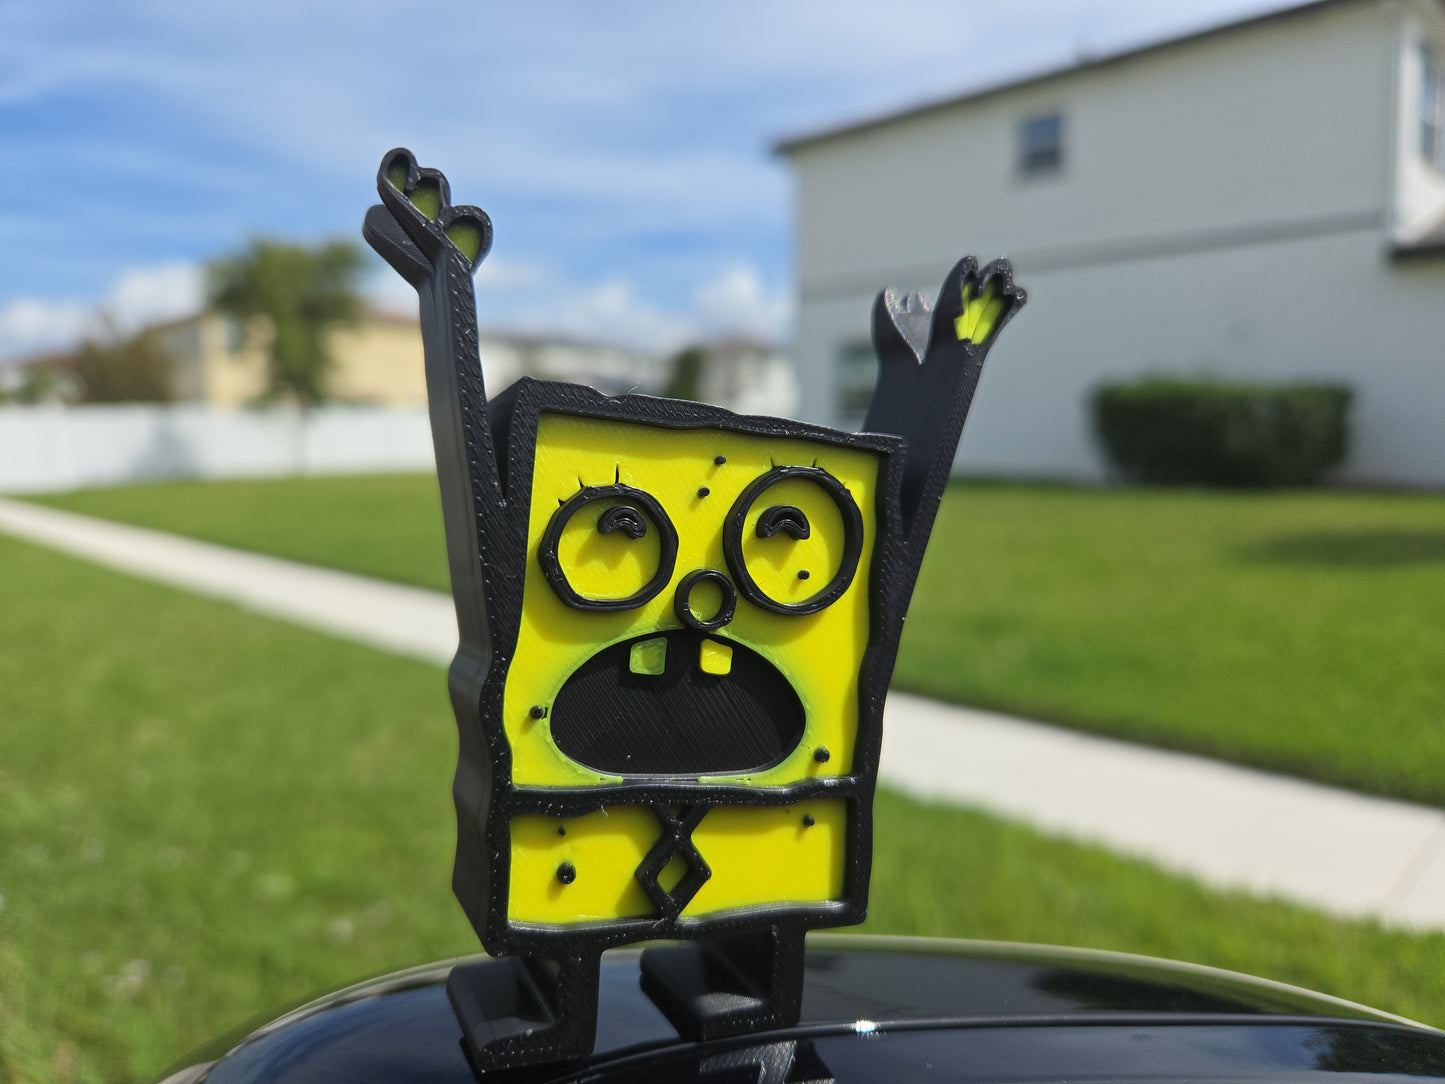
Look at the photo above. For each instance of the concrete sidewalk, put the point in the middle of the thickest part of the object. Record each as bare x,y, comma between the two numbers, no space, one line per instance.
1231,827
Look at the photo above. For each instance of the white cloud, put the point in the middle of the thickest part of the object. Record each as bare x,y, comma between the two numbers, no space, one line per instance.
514,294
384,289
532,299
509,274
153,295
139,296
736,303
29,325
613,312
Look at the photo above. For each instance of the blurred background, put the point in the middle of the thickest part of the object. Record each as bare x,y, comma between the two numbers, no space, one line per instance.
1197,505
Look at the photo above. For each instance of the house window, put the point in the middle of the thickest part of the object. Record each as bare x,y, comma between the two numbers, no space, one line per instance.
1431,108
1041,144
235,334
854,377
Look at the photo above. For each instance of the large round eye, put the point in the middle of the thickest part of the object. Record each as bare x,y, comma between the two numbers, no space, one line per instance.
793,540
608,548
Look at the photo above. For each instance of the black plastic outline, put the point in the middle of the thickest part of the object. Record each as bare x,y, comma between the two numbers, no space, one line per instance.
485,450
552,539
675,841
726,610
852,539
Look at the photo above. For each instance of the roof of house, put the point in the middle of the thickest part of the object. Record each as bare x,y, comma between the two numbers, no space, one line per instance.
374,314
51,360
736,347
791,143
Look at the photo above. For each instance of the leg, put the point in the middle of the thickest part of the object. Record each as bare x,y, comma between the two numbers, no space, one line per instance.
728,985
519,1010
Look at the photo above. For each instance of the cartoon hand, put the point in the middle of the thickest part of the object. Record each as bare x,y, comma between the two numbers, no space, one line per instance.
979,303
416,227
929,360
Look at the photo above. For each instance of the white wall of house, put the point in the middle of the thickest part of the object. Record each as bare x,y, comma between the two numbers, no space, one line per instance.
1224,207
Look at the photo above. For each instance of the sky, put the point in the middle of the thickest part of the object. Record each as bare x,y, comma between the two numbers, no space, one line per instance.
622,149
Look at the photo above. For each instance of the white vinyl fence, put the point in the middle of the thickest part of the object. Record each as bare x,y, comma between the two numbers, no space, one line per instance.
57,448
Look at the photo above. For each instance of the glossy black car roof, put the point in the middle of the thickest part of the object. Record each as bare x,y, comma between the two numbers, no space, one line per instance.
881,1009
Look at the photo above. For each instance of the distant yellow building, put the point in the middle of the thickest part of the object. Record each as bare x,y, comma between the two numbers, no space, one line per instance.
221,362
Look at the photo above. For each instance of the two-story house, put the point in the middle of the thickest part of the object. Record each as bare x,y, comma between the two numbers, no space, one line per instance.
1263,200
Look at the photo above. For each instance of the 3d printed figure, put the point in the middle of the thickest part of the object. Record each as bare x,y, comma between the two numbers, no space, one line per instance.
677,629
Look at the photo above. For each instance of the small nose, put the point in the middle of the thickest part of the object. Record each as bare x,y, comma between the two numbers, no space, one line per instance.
701,614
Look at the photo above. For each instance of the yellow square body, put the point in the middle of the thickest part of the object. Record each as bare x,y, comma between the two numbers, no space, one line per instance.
758,853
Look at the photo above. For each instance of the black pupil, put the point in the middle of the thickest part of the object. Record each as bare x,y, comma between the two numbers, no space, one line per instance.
786,518
624,518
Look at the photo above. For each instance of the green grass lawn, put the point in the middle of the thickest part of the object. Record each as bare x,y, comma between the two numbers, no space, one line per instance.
205,813
1301,632
387,525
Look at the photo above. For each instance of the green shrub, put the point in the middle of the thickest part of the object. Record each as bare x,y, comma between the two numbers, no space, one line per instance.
1172,431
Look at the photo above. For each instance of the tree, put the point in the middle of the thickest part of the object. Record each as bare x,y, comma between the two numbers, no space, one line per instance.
39,381
304,293
111,368
685,379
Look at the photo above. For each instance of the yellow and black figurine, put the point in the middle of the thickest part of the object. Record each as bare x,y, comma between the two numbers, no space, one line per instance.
677,627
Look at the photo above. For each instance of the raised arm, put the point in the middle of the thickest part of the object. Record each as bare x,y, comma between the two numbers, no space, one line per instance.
929,360
437,247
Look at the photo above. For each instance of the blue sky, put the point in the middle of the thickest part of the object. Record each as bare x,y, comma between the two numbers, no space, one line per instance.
622,149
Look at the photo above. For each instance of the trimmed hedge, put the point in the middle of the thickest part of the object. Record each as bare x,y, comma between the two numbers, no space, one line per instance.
1195,432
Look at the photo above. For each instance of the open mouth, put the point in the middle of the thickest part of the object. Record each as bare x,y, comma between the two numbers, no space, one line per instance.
677,703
